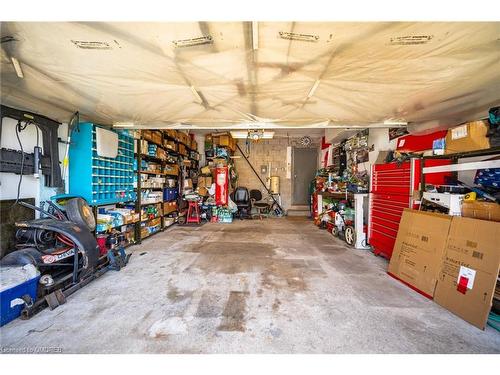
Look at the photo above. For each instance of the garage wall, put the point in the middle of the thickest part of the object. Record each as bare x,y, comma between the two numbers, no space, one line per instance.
380,139
30,187
272,151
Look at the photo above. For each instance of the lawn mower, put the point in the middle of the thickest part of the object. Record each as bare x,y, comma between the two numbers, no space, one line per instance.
344,224
62,247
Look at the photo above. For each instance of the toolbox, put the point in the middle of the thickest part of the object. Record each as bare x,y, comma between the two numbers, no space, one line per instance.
392,190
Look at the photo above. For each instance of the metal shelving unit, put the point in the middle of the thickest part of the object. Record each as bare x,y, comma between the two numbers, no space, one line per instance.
459,167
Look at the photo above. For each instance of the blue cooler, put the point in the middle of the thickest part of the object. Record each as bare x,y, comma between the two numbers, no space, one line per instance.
19,284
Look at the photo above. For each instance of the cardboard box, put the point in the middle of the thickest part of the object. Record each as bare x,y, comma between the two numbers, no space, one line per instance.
144,147
169,207
224,140
203,191
206,170
467,137
171,145
205,181
156,137
468,276
419,249
188,183
171,169
220,162
147,135
161,154
182,149
172,133
481,210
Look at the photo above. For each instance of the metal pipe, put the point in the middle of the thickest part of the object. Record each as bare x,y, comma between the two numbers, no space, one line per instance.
260,179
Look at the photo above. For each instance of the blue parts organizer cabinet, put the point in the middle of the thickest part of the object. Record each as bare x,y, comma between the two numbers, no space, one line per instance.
101,180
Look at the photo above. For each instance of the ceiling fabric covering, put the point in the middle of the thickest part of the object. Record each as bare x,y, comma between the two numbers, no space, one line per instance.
301,74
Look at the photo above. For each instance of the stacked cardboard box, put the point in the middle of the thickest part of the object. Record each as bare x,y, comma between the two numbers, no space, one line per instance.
171,145
468,137
453,259
169,207
172,169
156,137
205,181
220,139
182,149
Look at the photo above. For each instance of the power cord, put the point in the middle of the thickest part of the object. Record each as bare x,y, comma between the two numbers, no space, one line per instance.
18,130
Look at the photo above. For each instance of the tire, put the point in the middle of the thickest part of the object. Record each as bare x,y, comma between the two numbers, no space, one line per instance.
335,231
79,212
350,235
22,258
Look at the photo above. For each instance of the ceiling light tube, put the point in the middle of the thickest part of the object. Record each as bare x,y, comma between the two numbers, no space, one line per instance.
313,89
196,94
243,134
17,67
123,125
255,35
392,122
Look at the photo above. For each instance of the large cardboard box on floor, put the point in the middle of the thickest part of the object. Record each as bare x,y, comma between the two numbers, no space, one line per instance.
467,137
468,276
419,249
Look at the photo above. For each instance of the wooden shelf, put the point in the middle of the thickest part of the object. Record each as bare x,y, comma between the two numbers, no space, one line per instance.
146,220
153,173
147,204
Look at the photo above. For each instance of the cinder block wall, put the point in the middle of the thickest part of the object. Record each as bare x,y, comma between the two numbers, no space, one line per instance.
261,153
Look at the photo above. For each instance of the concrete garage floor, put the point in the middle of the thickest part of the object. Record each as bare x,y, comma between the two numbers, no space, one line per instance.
271,286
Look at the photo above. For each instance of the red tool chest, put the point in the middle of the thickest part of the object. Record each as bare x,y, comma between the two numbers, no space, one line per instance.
392,187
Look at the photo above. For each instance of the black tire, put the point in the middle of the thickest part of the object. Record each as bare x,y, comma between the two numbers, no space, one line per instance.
335,231
79,212
22,257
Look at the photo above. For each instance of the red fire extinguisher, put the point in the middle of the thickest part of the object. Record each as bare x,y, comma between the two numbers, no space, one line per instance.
221,186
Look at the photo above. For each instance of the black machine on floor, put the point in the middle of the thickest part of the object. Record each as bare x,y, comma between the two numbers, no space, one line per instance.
62,247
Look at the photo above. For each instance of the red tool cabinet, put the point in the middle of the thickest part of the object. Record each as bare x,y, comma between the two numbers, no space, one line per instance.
392,190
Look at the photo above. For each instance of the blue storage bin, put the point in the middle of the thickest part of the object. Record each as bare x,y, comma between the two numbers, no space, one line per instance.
95,178
8,313
170,194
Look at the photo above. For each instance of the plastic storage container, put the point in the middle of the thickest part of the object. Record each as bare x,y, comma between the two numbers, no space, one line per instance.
9,309
170,194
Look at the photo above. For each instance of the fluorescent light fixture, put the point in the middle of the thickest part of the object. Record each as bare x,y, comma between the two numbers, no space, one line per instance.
123,125
313,89
252,134
17,67
207,39
298,37
255,35
196,94
393,122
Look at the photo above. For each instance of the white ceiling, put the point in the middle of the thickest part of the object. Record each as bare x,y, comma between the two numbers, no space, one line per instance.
420,72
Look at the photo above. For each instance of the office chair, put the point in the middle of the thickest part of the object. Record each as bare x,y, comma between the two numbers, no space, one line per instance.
262,208
242,199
